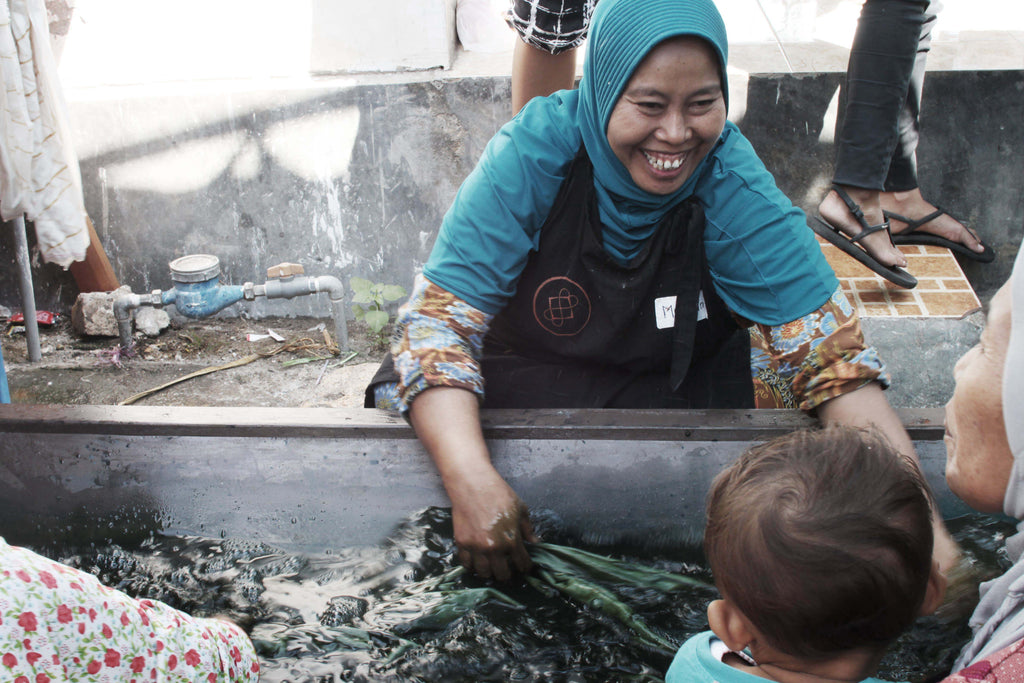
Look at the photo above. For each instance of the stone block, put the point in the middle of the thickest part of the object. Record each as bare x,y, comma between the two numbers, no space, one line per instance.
151,321
93,312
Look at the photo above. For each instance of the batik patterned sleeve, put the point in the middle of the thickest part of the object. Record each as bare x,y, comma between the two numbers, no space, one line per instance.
58,623
816,357
438,341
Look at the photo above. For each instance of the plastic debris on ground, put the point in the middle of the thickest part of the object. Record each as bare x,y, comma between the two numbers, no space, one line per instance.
45,318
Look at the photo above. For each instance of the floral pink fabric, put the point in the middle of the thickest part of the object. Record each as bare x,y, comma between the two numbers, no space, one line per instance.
1004,666
61,624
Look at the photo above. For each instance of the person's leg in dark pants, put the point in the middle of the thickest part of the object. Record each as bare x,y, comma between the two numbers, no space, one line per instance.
902,197
877,138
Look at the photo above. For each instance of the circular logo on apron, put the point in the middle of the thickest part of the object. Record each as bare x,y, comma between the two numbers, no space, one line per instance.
561,307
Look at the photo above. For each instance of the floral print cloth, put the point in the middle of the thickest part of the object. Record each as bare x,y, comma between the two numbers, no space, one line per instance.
1003,666
439,341
813,359
61,624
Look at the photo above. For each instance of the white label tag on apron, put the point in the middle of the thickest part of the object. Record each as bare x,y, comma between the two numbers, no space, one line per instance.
665,310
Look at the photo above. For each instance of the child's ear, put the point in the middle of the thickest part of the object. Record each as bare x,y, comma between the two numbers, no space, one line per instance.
729,624
935,592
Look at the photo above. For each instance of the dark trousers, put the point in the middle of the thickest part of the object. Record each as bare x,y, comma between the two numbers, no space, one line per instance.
876,139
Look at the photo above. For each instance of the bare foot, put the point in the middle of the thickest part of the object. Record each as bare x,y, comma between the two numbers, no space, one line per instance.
834,210
912,205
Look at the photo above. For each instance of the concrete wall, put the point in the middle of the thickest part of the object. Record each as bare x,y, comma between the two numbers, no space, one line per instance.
351,176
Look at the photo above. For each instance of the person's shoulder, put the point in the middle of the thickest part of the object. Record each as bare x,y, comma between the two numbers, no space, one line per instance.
695,663
554,117
733,153
537,143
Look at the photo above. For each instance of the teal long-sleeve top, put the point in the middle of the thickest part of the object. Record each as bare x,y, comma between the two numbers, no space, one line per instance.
764,260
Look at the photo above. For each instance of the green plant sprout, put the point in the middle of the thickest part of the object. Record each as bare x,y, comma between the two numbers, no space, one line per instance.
368,300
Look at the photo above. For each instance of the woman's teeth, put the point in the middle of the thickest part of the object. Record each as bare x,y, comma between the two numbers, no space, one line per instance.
663,165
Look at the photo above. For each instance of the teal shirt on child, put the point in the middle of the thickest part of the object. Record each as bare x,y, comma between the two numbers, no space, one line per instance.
694,663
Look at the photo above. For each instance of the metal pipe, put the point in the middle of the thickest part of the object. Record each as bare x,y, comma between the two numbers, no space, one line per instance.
198,293
123,306
291,286
28,297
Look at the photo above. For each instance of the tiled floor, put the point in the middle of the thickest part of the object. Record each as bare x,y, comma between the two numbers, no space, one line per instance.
942,291
942,288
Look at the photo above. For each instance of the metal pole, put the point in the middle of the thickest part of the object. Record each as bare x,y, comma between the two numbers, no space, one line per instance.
28,298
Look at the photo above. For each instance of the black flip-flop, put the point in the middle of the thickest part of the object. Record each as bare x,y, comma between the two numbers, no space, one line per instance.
850,246
912,236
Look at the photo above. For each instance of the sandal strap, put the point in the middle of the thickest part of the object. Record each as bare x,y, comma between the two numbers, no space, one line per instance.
853,206
870,230
858,213
911,223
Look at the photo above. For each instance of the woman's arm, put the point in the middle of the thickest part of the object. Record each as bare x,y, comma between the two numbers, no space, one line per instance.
437,350
489,520
833,372
867,407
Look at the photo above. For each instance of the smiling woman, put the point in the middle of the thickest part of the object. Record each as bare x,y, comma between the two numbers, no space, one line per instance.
670,115
610,250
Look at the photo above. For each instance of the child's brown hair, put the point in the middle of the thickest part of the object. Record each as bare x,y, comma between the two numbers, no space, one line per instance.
823,540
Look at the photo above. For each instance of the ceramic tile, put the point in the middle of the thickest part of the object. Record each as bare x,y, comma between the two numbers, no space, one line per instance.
909,310
949,304
877,310
957,285
942,290
873,297
929,266
900,296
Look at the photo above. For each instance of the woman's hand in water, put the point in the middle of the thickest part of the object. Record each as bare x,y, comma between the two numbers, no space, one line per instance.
491,526
490,521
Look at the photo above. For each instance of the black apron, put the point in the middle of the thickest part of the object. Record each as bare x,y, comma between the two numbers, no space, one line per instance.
583,331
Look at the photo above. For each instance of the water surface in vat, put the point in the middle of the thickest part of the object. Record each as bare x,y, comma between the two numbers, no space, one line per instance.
386,613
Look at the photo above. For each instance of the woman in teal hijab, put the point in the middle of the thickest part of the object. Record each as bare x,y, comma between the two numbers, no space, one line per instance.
610,250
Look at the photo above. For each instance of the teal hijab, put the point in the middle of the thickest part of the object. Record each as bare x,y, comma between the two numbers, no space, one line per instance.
622,33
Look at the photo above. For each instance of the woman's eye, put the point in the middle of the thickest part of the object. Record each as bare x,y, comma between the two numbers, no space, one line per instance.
649,106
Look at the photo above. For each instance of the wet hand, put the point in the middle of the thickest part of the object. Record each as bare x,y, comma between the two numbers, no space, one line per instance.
492,526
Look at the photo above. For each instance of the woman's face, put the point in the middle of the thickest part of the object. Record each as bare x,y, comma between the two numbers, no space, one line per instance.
670,114
978,457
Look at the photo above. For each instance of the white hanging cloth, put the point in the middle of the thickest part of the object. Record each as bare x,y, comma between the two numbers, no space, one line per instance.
39,175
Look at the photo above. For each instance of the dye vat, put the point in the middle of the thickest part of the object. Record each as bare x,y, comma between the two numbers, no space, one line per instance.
399,610
323,532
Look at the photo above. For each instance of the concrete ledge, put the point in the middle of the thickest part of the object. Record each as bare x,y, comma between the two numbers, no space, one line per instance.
311,479
357,423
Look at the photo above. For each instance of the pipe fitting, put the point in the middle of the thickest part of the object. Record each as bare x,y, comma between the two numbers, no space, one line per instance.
289,285
198,293
123,307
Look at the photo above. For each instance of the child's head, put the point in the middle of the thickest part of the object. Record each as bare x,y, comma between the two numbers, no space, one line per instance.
822,539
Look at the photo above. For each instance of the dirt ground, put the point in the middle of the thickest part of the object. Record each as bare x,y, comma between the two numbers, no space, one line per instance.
300,371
